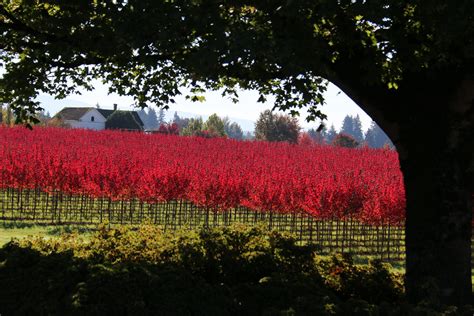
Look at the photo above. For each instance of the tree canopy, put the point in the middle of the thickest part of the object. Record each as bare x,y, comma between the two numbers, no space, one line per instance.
275,127
215,126
351,125
408,64
149,49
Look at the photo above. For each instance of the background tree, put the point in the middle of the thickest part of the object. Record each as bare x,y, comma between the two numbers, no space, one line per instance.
351,125
214,126
235,131
181,122
232,129
152,119
347,125
276,127
375,137
406,63
161,117
194,127
143,116
320,136
357,132
345,140
43,117
249,136
8,118
331,134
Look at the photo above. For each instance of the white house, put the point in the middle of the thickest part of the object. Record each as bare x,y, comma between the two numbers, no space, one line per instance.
99,119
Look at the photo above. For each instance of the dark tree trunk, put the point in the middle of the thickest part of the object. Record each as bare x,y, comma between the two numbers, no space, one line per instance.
438,228
431,122
436,145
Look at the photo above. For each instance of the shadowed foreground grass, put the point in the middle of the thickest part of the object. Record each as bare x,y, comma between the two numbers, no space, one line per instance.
223,271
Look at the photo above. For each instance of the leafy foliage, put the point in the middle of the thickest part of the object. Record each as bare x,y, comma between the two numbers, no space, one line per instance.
407,63
323,181
233,271
215,126
344,140
193,128
277,127
169,129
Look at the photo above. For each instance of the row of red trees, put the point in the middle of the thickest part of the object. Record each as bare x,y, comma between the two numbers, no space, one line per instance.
324,181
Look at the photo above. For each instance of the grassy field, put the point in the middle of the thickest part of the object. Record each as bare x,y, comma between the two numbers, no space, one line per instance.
9,231
7,234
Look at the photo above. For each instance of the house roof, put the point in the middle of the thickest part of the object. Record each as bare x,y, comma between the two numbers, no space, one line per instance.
128,120
72,113
105,113
118,119
108,113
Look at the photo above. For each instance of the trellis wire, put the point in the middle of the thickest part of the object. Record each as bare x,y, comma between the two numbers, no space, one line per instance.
384,241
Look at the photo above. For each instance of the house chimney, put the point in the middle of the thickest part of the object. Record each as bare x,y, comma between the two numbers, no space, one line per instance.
115,106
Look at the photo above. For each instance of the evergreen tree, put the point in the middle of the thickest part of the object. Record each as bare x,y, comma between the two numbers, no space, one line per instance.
351,125
232,129
235,131
152,119
249,136
347,125
318,137
144,117
161,117
376,137
331,134
176,117
181,122
357,129
227,122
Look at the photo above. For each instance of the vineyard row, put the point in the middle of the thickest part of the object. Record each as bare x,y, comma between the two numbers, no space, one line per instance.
381,241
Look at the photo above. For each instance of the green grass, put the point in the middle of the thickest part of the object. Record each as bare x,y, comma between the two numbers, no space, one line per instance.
10,230
7,234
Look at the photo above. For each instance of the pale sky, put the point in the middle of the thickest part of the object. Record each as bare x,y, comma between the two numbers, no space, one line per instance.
338,105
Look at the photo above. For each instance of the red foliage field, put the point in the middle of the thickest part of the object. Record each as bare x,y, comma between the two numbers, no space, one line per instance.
323,181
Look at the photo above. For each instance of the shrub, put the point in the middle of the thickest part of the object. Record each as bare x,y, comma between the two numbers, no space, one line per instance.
345,140
224,271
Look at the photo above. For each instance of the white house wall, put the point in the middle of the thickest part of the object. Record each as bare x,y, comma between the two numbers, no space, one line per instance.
86,121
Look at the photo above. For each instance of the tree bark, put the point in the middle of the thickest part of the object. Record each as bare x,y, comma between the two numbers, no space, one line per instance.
436,155
431,122
438,228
